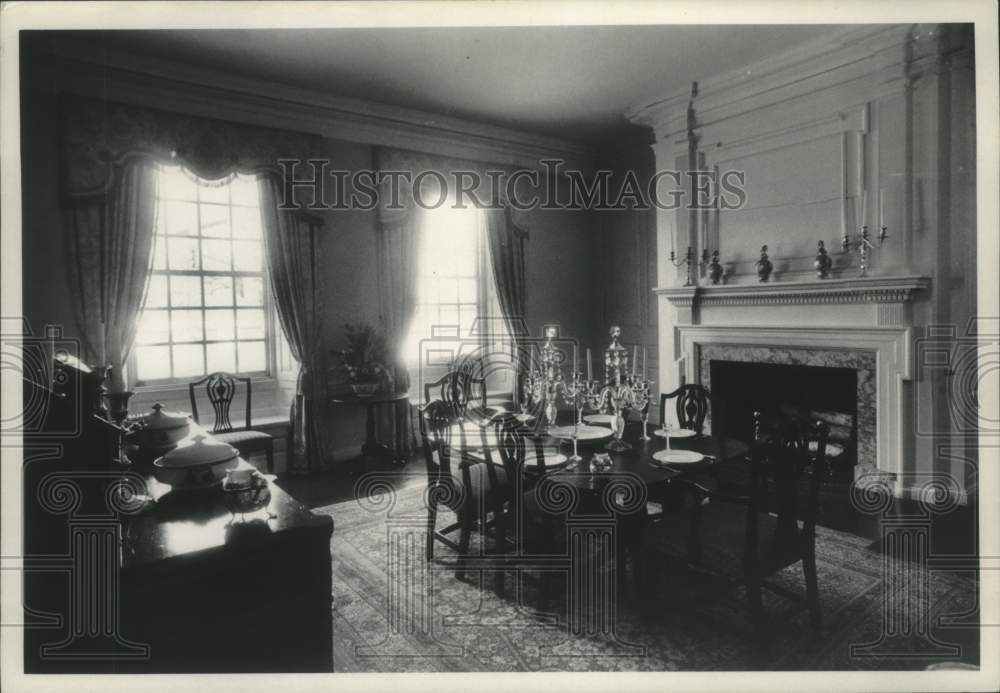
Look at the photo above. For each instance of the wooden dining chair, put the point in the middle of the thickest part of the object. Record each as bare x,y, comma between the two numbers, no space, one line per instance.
750,536
691,406
517,460
459,478
464,392
220,390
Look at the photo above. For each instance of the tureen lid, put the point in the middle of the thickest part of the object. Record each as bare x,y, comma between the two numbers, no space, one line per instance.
159,420
199,450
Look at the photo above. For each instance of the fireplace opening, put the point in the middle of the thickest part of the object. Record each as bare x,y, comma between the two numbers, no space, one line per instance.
821,393
829,394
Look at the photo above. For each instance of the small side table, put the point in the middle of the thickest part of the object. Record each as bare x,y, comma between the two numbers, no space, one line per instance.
372,447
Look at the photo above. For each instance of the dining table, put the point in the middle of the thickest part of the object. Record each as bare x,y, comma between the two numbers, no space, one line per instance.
615,500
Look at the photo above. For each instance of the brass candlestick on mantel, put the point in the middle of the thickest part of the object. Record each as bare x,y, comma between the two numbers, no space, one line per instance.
687,260
863,245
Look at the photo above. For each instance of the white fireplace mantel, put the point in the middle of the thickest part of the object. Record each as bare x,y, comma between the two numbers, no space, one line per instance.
901,289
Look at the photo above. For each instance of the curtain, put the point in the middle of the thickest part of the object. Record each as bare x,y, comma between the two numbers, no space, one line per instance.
110,241
291,241
506,240
396,246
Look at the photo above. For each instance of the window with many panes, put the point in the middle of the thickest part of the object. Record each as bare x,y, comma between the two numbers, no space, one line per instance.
455,286
206,308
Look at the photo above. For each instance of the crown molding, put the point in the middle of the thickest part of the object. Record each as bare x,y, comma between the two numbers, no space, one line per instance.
843,55
902,289
73,66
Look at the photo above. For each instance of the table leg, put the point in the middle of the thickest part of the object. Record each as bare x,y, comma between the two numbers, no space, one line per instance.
372,446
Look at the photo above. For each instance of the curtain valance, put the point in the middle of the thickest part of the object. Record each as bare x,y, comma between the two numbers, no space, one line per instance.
98,134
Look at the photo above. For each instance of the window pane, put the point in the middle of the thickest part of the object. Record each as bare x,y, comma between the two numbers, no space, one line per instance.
189,360
160,252
156,294
467,291
467,314
219,325
215,255
177,185
448,291
221,357
250,323
247,256
154,327
152,362
246,222
185,291
245,192
181,218
249,291
218,291
183,253
215,221
251,356
186,325
214,191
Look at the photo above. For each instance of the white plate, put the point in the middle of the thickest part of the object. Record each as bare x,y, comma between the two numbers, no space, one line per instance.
582,432
678,456
676,433
599,418
524,418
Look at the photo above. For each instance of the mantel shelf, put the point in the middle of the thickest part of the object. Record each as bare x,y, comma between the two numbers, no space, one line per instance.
901,289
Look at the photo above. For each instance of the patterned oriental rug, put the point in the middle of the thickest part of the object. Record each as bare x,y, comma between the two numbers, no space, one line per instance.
393,612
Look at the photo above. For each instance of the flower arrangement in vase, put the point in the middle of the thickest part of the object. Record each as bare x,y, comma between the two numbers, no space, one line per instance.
364,359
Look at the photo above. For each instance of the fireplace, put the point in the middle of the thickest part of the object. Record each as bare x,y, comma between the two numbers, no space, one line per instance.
828,394
861,324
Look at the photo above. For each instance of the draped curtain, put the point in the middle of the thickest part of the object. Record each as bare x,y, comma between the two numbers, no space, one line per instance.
291,241
396,246
110,234
110,152
506,241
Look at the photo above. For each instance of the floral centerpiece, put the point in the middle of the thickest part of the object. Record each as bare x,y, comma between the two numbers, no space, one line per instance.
364,359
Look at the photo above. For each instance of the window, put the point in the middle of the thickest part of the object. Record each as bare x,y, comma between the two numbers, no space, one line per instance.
206,307
455,286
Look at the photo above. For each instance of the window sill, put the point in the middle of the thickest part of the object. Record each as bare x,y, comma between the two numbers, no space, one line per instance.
269,400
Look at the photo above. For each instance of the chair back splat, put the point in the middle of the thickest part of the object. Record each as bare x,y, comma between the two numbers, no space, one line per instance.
691,406
220,389
459,389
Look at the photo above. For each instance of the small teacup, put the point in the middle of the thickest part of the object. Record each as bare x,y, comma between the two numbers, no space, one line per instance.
240,476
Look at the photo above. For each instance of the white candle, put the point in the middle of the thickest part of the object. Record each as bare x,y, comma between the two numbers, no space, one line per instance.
645,373
843,185
590,367
881,208
635,358
864,208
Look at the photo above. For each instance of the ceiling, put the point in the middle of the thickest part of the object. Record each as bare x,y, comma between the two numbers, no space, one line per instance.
568,81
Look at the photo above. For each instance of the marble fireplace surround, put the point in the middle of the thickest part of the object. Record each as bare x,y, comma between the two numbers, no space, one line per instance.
887,349
862,362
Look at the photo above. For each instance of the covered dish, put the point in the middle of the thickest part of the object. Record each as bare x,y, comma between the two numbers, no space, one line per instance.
160,430
199,462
